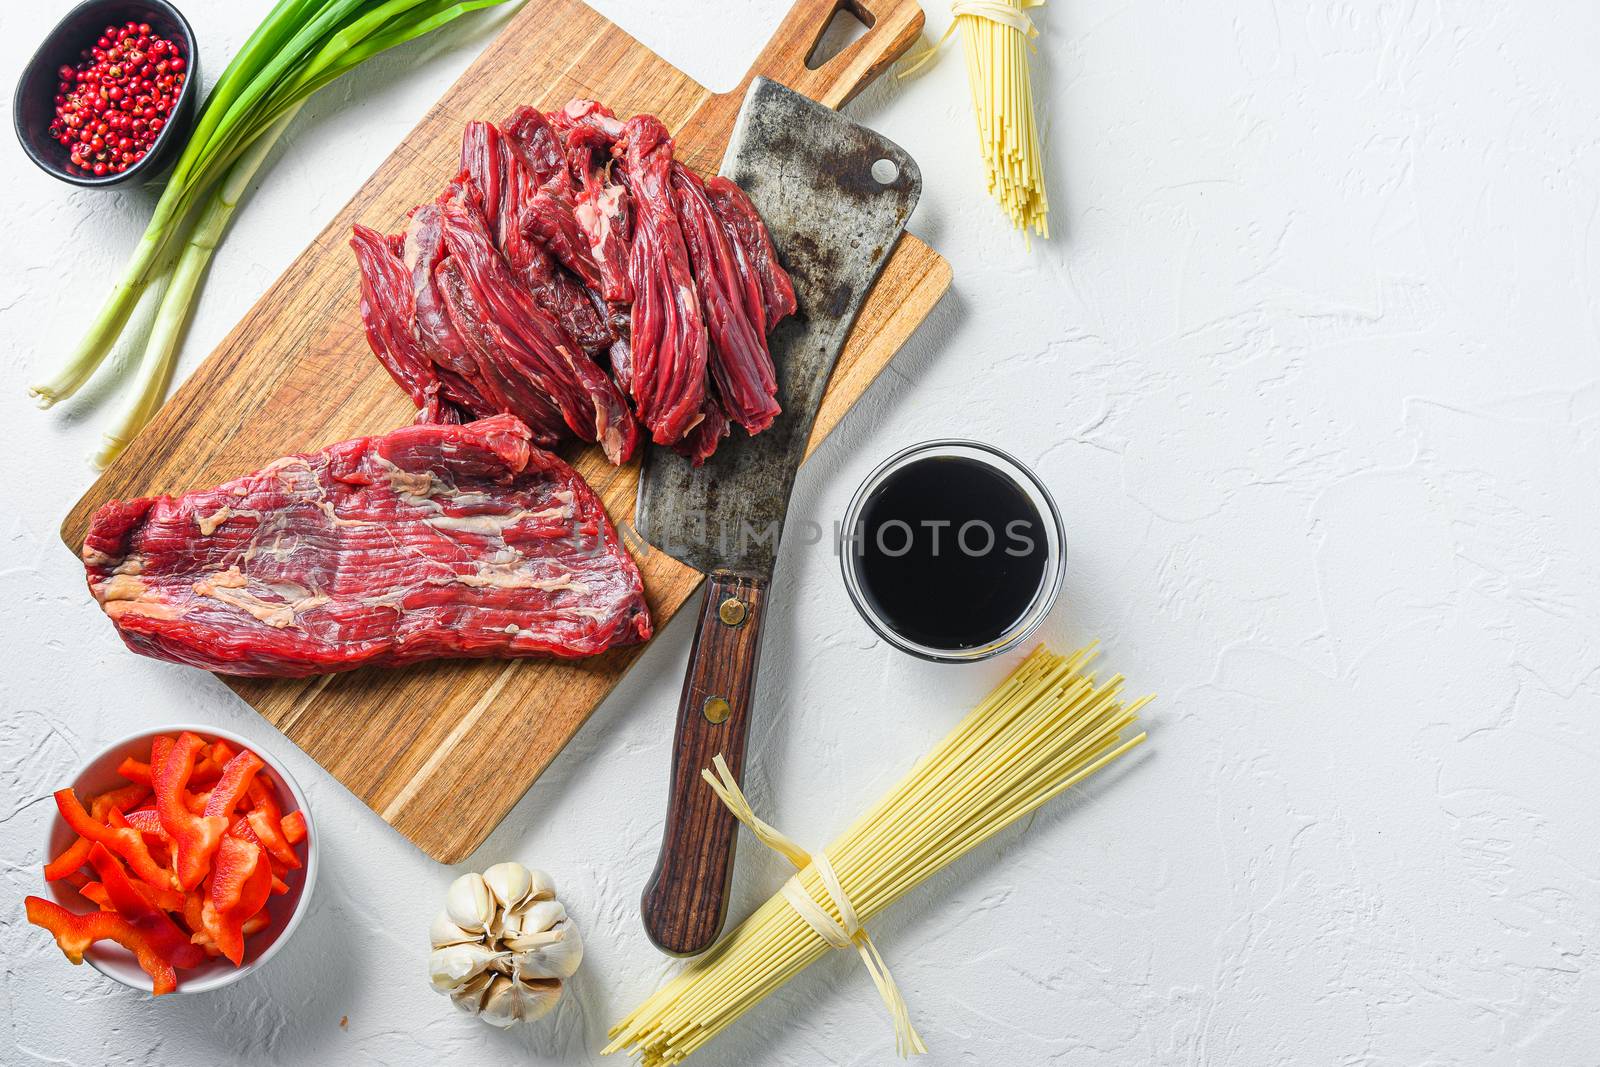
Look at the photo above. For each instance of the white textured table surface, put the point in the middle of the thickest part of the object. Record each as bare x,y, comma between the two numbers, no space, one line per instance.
1313,365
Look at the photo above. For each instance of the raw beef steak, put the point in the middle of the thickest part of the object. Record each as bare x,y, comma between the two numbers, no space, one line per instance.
432,541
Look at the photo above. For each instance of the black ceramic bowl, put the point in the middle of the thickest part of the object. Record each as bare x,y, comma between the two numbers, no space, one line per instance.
34,104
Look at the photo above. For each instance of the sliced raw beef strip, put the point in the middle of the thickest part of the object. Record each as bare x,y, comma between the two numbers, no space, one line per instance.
506,187
440,373
421,249
432,541
743,224
503,182
387,310
468,384
591,114
506,330
622,364
535,143
589,131
427,358
568,299
457,330
668,335
698,444
550,220
741,366
602,212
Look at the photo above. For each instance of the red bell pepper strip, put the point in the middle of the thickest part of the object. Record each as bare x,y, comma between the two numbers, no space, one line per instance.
120,799
237,860
221,752
75,933
231,788
74,857
146,821
124,841
256,892
144,914
266,820
95,893
156,841
253,925
161,896
194,837
133,770
165,899
241,828
193,906
206,770
241,882
270,833
263,795
294,827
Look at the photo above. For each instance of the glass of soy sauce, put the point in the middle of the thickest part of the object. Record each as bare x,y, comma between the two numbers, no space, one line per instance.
953,551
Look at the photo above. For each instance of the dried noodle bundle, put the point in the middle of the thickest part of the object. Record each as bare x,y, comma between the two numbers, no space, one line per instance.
1047,727
998,36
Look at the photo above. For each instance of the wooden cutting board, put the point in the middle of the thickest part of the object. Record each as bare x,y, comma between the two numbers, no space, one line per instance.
443,750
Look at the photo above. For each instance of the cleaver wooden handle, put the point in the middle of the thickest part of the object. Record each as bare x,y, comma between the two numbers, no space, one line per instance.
686,899
892,26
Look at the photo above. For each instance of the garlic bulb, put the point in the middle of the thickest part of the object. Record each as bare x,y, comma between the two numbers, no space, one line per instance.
503,944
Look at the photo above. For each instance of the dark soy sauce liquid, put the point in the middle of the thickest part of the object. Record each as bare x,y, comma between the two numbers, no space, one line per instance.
921,581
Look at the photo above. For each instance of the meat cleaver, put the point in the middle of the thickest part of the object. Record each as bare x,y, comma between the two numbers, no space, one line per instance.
836,197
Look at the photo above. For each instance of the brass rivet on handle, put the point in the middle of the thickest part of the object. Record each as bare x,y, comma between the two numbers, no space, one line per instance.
716,710
731,611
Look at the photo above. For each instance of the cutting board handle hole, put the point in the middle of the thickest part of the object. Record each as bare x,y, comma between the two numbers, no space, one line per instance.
885,171
847,25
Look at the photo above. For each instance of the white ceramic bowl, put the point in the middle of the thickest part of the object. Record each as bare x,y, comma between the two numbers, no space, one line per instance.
286,911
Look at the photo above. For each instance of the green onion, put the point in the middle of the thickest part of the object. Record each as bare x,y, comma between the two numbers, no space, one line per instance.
172,311
301,46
